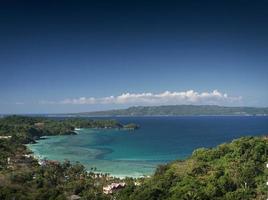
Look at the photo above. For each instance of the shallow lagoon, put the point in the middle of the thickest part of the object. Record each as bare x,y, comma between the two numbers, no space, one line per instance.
159,140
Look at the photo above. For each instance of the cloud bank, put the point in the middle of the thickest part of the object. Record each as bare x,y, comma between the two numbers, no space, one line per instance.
165,98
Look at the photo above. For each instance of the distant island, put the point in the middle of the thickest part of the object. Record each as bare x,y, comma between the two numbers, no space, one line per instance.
180,110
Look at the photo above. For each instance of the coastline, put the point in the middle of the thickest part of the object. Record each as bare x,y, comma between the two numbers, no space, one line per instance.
147,143
40,159
40,156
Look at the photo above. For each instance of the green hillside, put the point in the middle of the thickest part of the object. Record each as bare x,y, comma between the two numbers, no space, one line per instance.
234,171
180,110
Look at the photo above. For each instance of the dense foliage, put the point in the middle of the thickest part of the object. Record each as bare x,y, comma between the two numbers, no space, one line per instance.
181,110
23,178
27,129
234,171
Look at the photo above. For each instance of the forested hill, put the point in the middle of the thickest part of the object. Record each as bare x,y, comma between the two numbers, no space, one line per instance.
180,110
231,171
28,129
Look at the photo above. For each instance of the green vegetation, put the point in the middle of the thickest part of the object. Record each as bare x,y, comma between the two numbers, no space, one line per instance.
131,126
180,110
23,178
236,170
227,172
28,129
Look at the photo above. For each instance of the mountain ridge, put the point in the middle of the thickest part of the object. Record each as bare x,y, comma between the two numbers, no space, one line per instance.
180,110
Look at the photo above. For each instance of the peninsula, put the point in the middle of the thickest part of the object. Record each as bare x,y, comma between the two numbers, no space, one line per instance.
28,129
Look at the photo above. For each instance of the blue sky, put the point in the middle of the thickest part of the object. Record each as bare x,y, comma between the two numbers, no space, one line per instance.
73,56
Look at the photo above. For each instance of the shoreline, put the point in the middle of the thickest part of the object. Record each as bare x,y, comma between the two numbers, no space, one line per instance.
39,157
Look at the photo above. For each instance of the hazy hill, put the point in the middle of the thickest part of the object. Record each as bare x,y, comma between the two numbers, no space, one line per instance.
180,110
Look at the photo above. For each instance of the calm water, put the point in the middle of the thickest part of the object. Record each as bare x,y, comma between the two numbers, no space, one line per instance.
160,139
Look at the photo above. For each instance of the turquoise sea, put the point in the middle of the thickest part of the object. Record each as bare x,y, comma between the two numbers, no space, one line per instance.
159,140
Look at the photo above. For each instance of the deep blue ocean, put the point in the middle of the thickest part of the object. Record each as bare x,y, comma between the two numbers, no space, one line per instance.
159,140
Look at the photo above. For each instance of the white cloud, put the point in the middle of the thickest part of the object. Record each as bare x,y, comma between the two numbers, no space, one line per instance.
164,98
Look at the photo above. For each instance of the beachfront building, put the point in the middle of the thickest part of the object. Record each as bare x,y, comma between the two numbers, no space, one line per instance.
5,136
113,187
74,197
